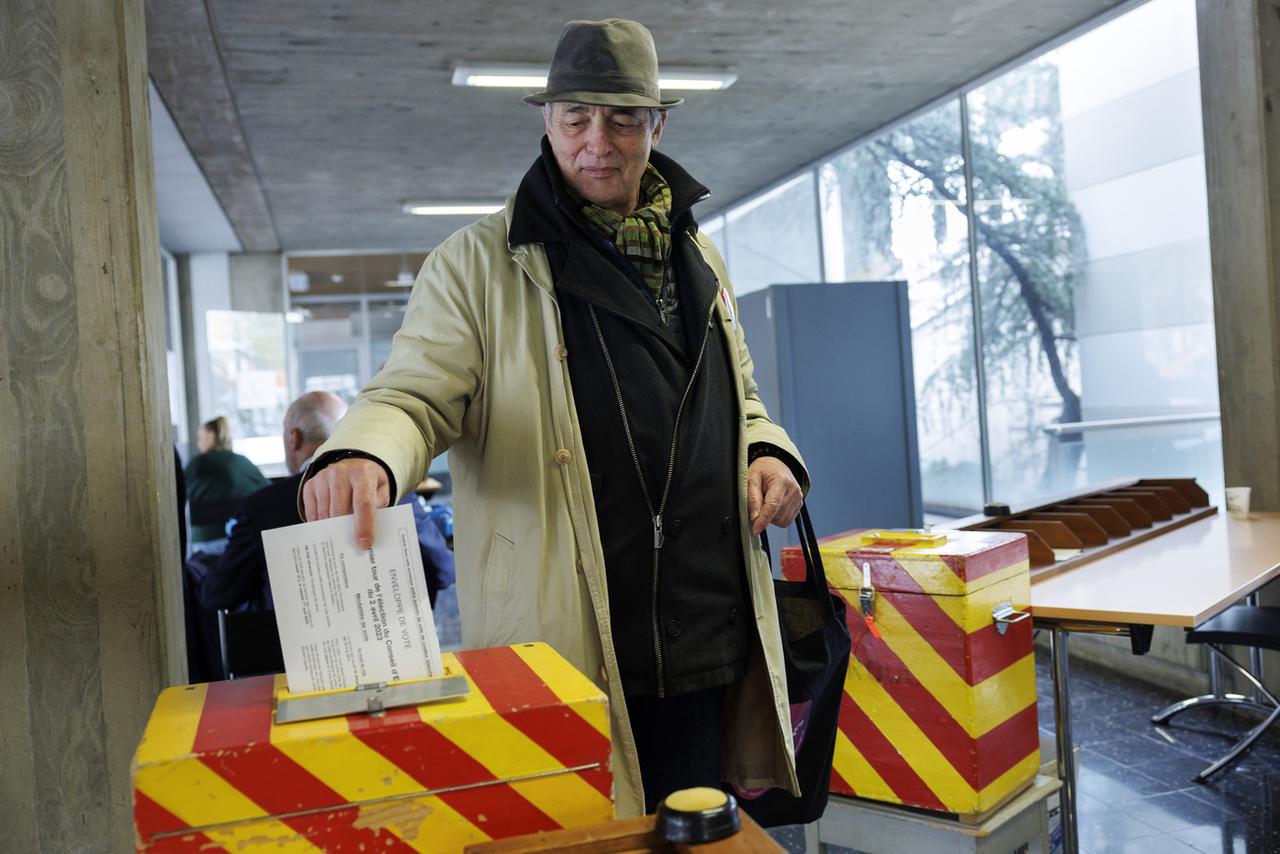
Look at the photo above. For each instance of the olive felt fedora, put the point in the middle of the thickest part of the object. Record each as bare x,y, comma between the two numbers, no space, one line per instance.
610,63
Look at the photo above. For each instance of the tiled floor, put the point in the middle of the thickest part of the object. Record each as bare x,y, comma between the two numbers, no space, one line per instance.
1134,788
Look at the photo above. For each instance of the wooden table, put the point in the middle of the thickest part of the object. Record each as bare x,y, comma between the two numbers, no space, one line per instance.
628,836
1178,579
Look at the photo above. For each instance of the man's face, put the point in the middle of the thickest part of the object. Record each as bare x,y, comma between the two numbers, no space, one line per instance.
602,151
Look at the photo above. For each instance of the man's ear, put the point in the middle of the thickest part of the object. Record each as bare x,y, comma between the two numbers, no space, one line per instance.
658,127
295,438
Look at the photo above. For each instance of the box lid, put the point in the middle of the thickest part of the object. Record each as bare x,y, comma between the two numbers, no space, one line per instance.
211,755
954,563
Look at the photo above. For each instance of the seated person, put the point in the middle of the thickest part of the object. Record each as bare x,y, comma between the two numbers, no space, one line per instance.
216,479
238,580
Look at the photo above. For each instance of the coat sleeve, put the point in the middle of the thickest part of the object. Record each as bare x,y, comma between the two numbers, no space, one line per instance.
760,429
413,409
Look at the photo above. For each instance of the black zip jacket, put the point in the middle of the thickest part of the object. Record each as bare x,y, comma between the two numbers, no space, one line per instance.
682,621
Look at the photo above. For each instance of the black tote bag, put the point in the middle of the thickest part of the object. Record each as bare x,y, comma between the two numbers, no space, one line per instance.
815,645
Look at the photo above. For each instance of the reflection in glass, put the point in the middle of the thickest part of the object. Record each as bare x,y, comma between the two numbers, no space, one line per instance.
1094,262
249,381
773,238
892,208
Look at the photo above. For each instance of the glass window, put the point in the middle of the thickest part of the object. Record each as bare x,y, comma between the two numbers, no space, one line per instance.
1093,265
892,208
773,238
249,382
385,318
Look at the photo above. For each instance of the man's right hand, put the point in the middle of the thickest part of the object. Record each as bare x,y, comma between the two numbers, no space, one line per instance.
348,485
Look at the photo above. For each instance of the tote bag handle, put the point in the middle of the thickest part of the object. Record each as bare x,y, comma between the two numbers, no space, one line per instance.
815,574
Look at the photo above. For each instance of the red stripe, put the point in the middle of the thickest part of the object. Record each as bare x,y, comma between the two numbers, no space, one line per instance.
1000,551
978,761
1007,744
437,763
924,709
149,818
991,652
236,713
233,739
974,657
841,785
519,695
885,758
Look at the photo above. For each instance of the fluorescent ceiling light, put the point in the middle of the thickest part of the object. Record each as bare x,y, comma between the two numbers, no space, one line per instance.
535,77
451,208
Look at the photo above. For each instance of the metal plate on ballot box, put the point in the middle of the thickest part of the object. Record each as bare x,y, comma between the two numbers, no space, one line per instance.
371,699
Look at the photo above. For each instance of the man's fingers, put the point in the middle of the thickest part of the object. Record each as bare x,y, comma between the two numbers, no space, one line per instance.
769,507
324,486
309,500
754,496
366,497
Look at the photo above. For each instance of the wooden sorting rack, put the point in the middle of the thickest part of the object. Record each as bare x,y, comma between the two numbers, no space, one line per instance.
1076,527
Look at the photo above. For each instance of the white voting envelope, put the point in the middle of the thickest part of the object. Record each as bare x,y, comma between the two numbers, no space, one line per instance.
349,617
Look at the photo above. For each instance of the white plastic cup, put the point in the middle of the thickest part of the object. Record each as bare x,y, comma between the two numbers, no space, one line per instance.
1238,501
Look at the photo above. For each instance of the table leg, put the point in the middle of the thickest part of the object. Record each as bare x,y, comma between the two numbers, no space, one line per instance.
1066,755
1255,652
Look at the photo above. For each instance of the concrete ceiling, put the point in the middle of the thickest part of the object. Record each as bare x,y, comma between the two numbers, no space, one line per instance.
340,111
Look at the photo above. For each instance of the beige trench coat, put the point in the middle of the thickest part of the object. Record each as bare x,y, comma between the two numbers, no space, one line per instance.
478,368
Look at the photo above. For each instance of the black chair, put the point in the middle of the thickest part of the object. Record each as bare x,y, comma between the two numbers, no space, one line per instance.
249,642
1242,625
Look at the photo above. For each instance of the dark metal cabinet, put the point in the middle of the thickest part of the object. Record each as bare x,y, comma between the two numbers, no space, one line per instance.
833,363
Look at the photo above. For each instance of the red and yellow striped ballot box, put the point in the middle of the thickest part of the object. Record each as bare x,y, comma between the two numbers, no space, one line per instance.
939,707
526,750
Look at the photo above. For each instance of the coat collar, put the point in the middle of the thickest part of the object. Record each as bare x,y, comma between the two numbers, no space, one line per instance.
543,212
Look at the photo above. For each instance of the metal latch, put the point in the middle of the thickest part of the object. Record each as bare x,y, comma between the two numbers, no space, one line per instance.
867,601
1005,615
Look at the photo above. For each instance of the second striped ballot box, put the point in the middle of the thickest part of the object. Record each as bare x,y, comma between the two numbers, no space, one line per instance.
939,709
526,750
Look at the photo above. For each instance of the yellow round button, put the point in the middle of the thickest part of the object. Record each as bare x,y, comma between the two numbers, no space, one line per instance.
697,799
563,456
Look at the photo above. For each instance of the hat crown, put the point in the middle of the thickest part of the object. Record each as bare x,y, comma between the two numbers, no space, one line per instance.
611,62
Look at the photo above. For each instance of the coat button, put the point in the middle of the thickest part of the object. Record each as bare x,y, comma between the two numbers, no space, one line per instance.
676,527
562,352
674,628
726,524
563,456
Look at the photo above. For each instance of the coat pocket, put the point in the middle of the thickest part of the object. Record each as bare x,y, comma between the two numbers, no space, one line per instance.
495,589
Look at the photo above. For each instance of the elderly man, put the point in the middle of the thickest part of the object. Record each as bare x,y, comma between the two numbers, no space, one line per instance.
239,578
613,465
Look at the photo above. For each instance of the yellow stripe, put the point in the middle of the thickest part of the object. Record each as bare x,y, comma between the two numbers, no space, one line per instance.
358,773
425,823
171,730
266,834
507,752
978,709
859,773
194,793
915,747
570,686
1009,782
973,612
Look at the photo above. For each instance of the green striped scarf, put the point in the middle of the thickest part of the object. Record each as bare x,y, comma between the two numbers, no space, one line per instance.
641,235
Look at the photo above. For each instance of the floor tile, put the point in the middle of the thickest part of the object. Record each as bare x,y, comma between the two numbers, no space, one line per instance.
1179,811
1159,844
1232,837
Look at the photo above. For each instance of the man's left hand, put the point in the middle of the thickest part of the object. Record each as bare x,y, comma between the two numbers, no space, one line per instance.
773,494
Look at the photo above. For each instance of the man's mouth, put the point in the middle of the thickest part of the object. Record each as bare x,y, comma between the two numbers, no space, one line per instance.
599,171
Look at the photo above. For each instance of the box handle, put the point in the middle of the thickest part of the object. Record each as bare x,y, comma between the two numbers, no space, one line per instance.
1005,615
905,537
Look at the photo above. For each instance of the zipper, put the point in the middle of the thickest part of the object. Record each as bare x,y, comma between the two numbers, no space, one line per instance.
655,516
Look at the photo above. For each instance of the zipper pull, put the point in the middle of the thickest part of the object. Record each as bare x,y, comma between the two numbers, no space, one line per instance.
658,537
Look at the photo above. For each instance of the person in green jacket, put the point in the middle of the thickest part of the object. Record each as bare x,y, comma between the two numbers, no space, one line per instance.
217,478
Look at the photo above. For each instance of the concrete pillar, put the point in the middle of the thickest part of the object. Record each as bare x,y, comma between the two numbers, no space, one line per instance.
257,282
90,596
1240,92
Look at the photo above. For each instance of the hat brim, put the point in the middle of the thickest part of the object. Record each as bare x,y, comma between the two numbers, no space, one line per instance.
602,99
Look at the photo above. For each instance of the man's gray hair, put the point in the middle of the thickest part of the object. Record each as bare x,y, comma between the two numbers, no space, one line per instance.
315,414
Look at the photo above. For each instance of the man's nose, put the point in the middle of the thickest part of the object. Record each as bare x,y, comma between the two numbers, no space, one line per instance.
598,143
